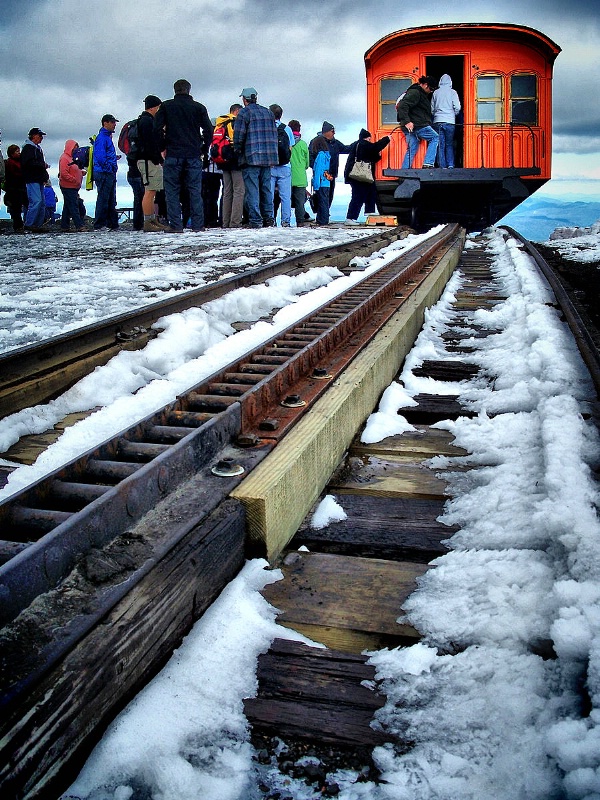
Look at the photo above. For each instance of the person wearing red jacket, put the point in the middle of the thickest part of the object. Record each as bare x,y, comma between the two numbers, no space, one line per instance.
69,180
15,192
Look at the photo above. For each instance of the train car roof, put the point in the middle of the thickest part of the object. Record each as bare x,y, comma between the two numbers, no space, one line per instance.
469,30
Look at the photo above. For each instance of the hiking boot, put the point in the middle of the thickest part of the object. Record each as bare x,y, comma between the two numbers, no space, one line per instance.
154,226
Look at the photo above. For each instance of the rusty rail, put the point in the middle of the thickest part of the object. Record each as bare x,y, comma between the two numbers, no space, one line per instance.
36,373
91,500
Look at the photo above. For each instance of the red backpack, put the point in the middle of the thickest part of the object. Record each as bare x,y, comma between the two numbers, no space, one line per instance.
221,148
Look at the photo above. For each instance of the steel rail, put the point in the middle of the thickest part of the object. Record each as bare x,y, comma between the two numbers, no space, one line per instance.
90,501
585,342
36,373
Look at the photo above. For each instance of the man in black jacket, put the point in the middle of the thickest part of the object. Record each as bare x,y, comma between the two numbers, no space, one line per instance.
149,162
414,114
35,175
185,133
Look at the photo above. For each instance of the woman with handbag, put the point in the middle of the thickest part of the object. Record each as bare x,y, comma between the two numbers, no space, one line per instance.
360,175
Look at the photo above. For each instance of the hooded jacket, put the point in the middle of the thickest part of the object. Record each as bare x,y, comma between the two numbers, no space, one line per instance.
69,174
415,107
445,103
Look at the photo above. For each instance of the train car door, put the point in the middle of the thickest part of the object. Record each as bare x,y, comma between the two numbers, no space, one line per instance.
436,66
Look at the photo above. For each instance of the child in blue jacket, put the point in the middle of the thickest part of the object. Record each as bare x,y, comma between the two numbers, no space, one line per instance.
322,178
50,201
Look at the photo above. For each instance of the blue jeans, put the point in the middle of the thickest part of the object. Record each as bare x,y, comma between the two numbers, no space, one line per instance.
106,201
259,196
70,208
36,209
186,173
412,144
323,205
136,183
446,147
281,177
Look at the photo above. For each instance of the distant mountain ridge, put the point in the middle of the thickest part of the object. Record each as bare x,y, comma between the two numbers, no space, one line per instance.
536,218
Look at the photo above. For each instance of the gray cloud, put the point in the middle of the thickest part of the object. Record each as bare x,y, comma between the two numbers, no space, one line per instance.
63,65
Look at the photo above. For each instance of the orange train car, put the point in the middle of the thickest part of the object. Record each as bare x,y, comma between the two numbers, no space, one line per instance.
503,143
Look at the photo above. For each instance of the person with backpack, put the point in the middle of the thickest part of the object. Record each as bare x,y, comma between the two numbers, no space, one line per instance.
281,175
223,154
255,143
105,165
149,161
185,133
299,163
70,176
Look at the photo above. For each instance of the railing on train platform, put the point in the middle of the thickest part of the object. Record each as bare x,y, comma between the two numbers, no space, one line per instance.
485,135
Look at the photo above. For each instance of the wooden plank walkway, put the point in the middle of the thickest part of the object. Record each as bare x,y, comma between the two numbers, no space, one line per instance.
347,589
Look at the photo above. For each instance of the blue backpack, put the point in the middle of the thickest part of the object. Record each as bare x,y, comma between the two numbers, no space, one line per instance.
81,157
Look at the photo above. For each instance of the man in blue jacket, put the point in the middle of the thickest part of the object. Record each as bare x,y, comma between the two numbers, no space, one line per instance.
105,176
185,133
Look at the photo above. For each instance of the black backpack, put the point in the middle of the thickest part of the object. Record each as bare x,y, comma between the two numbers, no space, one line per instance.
284,151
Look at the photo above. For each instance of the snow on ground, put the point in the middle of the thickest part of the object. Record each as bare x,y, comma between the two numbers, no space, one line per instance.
190,347
577,244
55,283
489,717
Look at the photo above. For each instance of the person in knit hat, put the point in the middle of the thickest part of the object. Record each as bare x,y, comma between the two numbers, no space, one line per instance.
336,148
363,194
150,162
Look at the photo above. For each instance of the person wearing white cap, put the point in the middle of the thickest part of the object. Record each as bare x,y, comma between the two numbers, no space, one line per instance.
255,142
35,175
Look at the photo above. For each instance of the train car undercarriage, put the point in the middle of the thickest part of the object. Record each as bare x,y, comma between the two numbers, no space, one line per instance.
475,198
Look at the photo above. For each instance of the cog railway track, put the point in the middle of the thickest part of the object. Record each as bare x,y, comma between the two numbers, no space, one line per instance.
119,552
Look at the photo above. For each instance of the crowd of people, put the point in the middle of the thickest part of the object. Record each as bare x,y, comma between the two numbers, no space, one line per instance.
244,169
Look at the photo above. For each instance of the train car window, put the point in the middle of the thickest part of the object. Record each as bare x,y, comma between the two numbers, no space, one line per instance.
390,90
523,99
489,99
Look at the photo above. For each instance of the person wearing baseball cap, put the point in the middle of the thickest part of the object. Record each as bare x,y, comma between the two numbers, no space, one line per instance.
35,174
255,143
105,176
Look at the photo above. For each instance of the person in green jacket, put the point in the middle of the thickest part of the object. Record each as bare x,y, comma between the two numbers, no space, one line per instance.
299,162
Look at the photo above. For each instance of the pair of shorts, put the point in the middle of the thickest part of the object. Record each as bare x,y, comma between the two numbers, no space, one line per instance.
153,178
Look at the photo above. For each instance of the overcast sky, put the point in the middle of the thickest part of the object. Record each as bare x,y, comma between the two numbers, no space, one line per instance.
64,64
